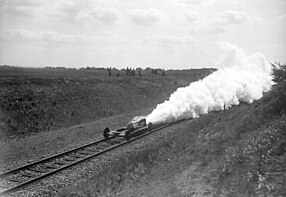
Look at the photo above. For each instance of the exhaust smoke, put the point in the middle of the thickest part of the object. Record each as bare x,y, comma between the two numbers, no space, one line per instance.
241,78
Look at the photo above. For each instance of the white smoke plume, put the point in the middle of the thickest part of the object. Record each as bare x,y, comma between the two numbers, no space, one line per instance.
241,78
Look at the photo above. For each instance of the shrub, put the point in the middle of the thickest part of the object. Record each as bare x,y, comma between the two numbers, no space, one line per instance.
279,77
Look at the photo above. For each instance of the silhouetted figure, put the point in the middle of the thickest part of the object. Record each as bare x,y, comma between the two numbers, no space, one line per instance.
133,72
127,71
139,73
109,71
163,73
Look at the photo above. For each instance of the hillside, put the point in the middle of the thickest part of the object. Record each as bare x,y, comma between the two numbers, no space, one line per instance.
34,100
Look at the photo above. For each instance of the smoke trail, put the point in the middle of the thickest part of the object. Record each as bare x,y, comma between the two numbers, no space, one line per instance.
243,80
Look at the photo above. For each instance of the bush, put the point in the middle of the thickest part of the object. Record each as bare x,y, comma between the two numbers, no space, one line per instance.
279,77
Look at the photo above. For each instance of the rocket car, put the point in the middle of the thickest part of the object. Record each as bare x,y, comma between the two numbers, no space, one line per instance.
137,125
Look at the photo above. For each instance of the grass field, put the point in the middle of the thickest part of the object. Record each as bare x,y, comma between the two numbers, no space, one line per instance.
10,71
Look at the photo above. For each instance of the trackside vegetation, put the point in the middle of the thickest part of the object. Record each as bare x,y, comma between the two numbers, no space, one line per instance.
279,77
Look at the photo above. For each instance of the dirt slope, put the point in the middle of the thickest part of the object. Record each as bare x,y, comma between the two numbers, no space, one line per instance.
33,104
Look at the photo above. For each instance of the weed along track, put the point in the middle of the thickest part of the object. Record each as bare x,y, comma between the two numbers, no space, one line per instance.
21,177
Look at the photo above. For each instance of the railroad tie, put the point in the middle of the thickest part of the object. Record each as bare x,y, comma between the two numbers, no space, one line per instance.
84,153
61,163
13,180
29,175
50,166
68,159
90,150
78,156
37,170
3,185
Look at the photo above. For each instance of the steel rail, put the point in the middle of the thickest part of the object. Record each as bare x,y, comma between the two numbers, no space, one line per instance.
2,175
23,184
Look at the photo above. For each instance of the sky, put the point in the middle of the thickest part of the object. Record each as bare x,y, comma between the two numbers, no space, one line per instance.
170,34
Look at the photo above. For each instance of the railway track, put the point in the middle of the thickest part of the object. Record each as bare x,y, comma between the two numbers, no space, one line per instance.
21,177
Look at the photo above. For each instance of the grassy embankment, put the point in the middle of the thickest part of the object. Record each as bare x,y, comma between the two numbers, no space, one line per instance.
239,152
34,100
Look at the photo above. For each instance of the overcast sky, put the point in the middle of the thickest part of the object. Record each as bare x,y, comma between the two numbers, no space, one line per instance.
138,33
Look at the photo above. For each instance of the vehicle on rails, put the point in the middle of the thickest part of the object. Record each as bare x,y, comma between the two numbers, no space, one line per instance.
136,126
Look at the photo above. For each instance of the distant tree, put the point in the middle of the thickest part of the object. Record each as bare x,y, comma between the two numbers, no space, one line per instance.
115,70
154,72
148,70
139,71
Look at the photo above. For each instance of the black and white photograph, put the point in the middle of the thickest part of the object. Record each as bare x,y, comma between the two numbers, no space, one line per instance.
143,98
